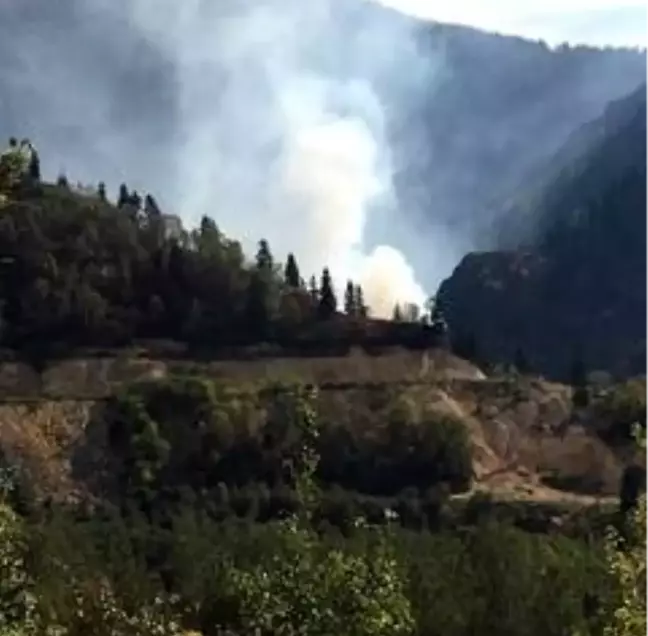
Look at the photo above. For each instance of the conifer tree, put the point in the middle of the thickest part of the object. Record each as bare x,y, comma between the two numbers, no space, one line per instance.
151,208
313,291
135,200
123,197
361,309
327,302
257,308
264,259
34,169
350,308
291,272
397,314
101,191
259,297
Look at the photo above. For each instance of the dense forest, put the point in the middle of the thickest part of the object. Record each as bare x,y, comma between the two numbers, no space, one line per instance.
78,270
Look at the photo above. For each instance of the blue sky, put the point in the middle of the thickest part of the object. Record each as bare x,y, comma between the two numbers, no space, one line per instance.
596,22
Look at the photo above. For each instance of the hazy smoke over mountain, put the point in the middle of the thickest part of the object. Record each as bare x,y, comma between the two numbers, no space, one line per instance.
292,121
287,149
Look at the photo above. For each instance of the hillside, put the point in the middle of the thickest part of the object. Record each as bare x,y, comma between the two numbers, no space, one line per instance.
195,441
85,277
578,288
525,443
79,270
120,94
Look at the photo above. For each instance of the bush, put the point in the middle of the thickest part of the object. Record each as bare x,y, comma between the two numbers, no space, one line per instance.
621,408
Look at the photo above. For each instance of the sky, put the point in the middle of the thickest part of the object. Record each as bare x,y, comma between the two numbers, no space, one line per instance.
594,22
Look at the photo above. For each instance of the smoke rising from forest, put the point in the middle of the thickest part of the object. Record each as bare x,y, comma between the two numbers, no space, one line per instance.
298,121
289,150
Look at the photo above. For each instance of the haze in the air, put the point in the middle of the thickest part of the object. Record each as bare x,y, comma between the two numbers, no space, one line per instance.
280,119
594,22
276,141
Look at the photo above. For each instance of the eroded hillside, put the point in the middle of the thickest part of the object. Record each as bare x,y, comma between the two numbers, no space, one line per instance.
525,442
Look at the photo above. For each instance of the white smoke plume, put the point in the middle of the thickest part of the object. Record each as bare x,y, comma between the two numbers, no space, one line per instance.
273,146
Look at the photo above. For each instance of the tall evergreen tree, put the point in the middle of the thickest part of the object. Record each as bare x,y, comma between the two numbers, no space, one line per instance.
397,313
257,309
327,302
151,208
101,191
34,169
124,197
135,200
264,259
361,309
291,272
350,308
313,291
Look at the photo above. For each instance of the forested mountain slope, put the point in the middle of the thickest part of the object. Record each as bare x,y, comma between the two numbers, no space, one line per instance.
580,285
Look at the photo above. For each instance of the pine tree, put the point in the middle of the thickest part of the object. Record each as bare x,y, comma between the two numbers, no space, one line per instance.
350,308
291,272
151,208
264,259
257,308
101,191
313,291
397,314
135,200
328,302
123,197
361,309
34,169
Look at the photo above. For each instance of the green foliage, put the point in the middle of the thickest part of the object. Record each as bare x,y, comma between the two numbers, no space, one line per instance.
78,272
16,600
189,434
310,589
621,408
12,169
